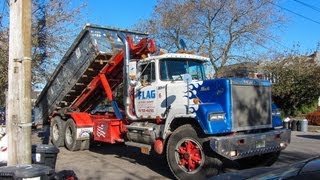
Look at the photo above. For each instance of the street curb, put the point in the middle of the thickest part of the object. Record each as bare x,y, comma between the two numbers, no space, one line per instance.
312,128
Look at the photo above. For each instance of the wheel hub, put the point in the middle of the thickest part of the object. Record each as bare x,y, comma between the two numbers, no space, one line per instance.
189,155
69,137
55,132
186,156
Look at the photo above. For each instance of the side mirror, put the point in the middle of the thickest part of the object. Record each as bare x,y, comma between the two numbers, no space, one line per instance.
133,82
132,68
132,73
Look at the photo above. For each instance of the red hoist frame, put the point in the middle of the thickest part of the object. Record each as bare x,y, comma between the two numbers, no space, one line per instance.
109,128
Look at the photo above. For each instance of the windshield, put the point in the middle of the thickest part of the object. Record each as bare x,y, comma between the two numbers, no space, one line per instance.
173,69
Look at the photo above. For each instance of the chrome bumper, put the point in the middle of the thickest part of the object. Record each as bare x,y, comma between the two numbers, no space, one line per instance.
240,146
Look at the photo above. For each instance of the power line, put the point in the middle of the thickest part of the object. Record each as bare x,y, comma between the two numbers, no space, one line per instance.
258,43
274,41
266,37
308,5
300,15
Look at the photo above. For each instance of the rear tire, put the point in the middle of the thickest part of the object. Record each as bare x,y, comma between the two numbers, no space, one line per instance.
57,130
71,141
188,155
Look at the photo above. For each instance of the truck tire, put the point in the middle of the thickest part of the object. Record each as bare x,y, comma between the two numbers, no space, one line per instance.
187,155
57,130
258,161
71,141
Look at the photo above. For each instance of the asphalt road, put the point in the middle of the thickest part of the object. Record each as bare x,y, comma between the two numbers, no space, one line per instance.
302,146
121,162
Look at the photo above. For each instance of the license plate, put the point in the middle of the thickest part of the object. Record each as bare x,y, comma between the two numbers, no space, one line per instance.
260,144
145,150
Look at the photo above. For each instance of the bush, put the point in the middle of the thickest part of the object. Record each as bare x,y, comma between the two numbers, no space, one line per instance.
296,85
314,118
307,108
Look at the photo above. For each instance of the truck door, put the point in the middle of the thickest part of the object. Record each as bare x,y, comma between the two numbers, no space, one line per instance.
146,92
178,94
172,87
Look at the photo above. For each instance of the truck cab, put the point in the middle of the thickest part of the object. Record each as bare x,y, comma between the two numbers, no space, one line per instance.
175,85
162,85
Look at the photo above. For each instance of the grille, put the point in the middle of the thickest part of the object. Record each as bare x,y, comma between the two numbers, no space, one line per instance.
251,107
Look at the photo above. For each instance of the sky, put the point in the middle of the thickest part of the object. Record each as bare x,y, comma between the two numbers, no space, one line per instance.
300,29
299,32
117,13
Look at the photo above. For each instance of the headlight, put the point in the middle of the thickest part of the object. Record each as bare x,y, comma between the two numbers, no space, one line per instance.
217,116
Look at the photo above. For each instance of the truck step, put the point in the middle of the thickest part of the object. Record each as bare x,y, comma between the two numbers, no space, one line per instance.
144,148
139,128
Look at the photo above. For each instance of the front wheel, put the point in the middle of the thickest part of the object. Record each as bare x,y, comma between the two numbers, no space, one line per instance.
188,155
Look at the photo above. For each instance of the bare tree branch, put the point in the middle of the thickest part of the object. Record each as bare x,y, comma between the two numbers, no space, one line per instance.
215,27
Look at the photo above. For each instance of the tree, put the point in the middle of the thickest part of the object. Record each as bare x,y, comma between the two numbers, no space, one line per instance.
226,31
54,24
296,86
4,50
170,22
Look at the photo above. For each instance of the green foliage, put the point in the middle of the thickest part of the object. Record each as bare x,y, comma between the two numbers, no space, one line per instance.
3,64
296,88
307,108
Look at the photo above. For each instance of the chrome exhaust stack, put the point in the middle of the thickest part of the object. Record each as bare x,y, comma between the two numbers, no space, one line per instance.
126,79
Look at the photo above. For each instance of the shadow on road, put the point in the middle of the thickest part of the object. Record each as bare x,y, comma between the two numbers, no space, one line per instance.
292,157
155,162
316,136
133,155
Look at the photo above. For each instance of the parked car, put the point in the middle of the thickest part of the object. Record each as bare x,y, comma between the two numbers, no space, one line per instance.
307,169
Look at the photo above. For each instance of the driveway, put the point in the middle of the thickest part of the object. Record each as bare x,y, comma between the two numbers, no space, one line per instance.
108,161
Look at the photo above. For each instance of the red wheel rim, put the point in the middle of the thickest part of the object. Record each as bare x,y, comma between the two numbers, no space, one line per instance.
189,155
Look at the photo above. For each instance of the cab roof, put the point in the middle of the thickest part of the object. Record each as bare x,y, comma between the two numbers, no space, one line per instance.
178,55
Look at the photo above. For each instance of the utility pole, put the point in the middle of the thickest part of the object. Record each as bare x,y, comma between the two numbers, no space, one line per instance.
19,83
